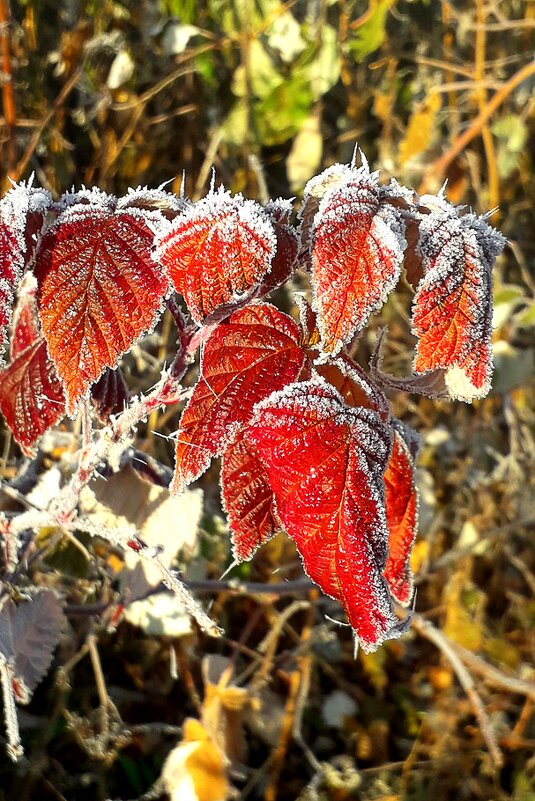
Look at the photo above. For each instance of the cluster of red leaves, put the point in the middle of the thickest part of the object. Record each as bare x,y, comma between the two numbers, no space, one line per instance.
306,436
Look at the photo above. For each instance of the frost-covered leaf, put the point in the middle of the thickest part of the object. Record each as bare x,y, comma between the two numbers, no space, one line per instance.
354,385
357,252
402,518
325,462
110,395
250,354
31,395
284,261
333,177
22,212
216,250
310,336
431,384
247,498
29,633
146,199
452,312
99,288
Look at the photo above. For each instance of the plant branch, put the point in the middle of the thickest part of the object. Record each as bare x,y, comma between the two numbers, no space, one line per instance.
429,632
436,172
6,82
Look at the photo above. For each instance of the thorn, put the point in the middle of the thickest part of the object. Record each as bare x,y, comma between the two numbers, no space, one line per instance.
232,565
354,157
364,160
336,622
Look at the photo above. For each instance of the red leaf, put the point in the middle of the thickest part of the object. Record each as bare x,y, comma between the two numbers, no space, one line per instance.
325,463
452,314
21,214
216,250
99,289
247,498
431,384
356,257
31,395
354,385
310,336
402,517
251,353
284,261
333,177
10,274
110,395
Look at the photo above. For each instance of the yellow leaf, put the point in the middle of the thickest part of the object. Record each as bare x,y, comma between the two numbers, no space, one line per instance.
420,128
305,156
196,769
464,611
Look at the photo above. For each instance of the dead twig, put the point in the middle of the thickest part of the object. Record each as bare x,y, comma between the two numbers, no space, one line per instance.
429,632
436,171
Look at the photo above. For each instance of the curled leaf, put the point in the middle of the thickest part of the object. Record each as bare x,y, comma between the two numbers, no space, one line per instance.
31,395
402,517
452,311
110,395
22,212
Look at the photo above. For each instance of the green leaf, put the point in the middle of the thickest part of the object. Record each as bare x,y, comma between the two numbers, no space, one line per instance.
279,116
527,317
506,299
323,71
264,78
234,128
512,134
371,34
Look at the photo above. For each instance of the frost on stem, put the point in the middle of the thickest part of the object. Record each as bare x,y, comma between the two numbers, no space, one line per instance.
307,436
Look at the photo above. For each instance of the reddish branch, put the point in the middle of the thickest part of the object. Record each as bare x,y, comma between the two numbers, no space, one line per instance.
6,81
437,170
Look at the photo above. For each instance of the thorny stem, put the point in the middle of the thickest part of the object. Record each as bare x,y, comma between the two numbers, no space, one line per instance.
113,437
111,442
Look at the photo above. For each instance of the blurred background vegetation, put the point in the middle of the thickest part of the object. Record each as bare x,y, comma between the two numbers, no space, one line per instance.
268,93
